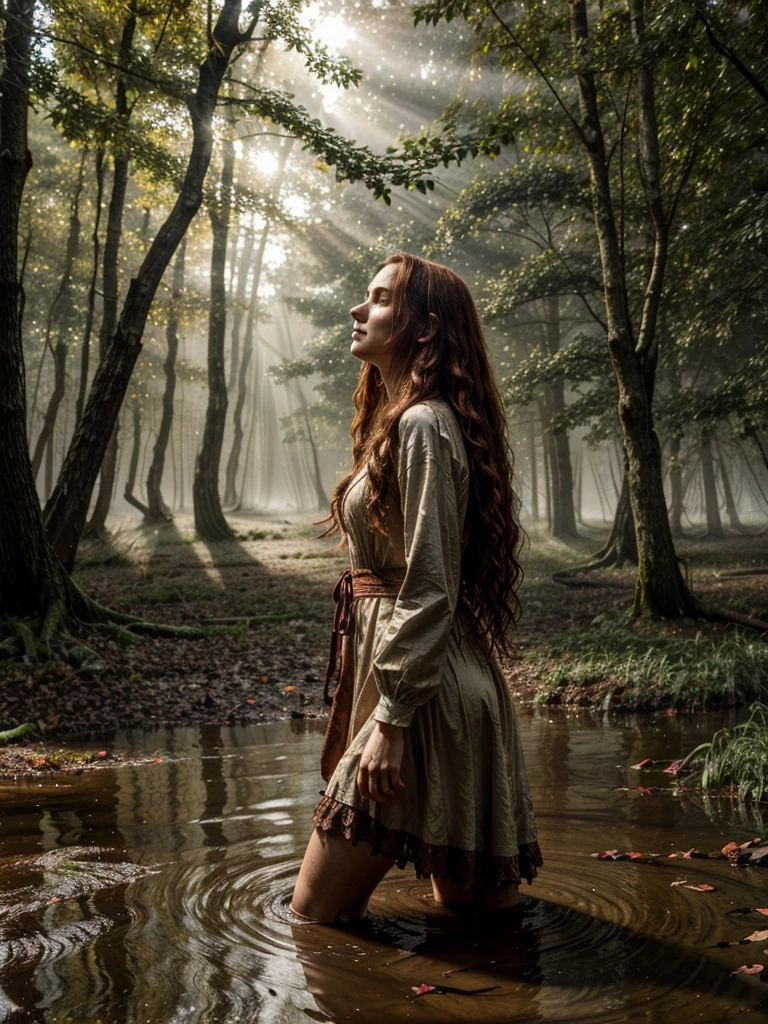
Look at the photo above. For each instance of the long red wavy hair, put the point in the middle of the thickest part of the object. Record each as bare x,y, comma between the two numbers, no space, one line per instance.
453,365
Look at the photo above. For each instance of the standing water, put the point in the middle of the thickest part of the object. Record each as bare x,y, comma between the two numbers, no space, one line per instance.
158,894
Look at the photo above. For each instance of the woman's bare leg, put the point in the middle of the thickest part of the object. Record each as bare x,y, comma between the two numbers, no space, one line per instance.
336,879
450,893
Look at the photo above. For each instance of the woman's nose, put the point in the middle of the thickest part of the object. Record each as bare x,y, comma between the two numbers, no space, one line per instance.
358,312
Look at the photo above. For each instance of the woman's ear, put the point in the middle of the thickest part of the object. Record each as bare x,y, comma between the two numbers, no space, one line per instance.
430,329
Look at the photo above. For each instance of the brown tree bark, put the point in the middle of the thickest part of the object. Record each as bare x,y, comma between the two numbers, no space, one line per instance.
563,525
133,464
61,314
157,510
210,523
110,277
660,589
677,490
30,580
85,355
66,510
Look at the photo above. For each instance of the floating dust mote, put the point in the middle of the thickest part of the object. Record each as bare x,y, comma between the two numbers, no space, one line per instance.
159,891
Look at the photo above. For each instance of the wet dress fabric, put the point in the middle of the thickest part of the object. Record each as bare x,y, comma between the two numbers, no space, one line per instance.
466,812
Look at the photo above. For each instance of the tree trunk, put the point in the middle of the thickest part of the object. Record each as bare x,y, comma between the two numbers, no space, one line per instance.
230,487
240,308
30,579
157,510
110,280
534,476
563,515
85,355
133,464
66,510
621,547
711,500
321,496
210,523
62,314
676,485
660,590
731,508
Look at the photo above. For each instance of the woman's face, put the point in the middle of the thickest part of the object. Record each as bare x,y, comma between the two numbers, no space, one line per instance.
372,327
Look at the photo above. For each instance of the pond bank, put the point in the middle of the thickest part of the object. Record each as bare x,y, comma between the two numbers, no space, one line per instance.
272,586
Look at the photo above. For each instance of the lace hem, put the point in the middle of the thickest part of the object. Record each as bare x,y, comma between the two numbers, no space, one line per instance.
466,867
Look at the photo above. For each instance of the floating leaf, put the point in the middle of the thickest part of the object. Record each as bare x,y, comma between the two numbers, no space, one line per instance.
759,936
681,881
745,969
644,764
288,689
701,887
674,768
730,848
421,990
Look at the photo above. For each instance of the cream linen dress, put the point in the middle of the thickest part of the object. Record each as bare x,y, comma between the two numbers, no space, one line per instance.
466,811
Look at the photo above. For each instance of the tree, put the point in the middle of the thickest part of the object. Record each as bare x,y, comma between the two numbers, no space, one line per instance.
649,101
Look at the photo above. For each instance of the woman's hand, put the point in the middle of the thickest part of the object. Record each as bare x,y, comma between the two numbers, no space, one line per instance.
379,775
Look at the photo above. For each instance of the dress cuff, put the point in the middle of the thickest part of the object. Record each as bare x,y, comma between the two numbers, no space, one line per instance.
390,712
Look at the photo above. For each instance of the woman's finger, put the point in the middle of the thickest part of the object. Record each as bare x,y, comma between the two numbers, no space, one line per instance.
362,781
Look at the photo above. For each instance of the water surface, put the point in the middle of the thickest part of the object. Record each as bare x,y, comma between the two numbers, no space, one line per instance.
157,894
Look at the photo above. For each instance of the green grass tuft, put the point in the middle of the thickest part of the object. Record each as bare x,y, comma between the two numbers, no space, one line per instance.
736,757
684,669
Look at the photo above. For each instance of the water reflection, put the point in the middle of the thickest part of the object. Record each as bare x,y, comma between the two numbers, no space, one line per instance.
158,893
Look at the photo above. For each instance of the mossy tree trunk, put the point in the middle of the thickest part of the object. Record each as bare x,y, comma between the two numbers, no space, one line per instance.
30,579
66,510
660,590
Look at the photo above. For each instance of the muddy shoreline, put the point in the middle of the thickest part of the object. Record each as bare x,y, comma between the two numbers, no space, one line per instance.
274,585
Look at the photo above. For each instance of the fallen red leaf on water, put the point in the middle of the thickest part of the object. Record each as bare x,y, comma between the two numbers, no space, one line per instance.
745,969
674,768
730,848
421,990
250,701
643,764
287,689
701,887
264,678
681,881
157,760
102,753
608,854
55,899
634,855
641,789
762,910
689,853
759,936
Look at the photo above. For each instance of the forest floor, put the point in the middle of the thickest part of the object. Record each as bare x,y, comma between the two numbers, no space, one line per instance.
275,581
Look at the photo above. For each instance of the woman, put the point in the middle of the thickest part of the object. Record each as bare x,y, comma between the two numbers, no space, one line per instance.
422,756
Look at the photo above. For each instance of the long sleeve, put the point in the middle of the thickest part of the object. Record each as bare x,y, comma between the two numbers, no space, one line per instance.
408,664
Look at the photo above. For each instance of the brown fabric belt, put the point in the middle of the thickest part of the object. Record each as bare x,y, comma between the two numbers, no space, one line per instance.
351,585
